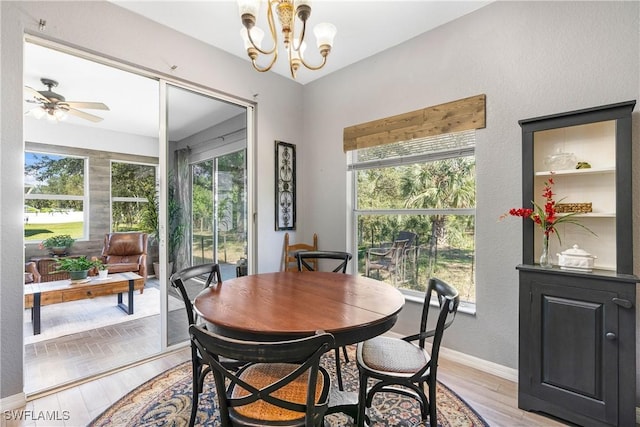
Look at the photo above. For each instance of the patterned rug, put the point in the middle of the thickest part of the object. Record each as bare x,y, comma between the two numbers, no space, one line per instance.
166,401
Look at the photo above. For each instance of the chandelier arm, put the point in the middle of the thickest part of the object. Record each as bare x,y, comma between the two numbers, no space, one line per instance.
268,67
314,67
302,34
272,31
294,64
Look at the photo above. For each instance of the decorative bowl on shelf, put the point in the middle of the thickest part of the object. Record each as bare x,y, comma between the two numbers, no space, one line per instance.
560,161
576,259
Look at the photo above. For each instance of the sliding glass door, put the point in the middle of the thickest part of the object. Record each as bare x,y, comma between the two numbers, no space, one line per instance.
219,219
206,189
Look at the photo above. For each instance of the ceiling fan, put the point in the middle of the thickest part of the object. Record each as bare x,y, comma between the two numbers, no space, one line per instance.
56,107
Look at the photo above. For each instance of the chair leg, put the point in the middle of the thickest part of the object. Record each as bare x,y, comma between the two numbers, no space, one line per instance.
195,393
433,416
362,398
346,356
338,369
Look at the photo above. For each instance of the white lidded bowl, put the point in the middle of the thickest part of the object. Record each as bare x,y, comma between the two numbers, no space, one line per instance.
576,259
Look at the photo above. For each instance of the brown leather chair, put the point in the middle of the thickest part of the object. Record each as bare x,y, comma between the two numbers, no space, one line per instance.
124,252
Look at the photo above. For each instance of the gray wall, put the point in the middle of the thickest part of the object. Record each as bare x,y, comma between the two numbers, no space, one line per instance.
530,59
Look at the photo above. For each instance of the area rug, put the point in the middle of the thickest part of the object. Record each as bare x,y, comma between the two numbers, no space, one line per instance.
72,317
166,401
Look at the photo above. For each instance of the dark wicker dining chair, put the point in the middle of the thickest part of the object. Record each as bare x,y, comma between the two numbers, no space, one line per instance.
306,261
179,282
281,383
401,362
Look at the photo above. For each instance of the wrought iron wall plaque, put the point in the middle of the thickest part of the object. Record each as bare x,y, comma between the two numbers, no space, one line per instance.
285,186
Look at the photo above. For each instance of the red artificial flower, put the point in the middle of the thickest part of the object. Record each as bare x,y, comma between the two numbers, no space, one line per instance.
547,217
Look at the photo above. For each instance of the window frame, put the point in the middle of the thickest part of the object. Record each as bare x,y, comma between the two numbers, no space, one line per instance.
353,166
113,199
84,197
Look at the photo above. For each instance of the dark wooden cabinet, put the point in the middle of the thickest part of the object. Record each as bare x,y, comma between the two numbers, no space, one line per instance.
577,345
577,342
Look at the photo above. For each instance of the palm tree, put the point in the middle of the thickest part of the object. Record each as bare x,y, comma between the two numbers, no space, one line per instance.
443,184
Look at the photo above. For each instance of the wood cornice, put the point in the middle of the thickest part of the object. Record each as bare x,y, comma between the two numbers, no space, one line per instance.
456,116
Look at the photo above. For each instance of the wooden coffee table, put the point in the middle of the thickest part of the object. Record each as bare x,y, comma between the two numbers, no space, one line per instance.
38,294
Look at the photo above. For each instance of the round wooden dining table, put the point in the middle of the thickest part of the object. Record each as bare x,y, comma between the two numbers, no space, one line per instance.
288,305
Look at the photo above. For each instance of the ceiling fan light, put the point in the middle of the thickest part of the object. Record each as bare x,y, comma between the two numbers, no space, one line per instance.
60,115
325,33
37,112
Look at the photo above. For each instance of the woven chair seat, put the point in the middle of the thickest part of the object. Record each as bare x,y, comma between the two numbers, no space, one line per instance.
263,374
387,354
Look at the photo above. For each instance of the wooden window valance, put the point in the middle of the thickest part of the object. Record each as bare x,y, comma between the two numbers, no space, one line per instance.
456,116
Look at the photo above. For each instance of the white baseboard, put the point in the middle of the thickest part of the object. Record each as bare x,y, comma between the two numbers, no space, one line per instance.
492,368
13,402
637,415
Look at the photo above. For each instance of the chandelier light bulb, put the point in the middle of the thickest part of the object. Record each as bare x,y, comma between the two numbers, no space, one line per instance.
325,33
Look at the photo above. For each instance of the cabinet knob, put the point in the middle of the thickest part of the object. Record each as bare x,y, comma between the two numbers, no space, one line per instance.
611,336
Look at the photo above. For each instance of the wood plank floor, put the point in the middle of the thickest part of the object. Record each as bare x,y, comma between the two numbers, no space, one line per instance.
492,397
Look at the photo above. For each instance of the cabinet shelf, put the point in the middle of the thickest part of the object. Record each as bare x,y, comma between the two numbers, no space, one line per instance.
590,171
592,215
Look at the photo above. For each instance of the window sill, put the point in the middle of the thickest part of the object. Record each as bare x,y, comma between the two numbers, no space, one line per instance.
464,307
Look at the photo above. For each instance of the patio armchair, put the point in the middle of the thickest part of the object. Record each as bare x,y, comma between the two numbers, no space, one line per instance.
386,259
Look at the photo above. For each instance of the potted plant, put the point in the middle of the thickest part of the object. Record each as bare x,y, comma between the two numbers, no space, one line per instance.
102,268
58,245
78,268
150,225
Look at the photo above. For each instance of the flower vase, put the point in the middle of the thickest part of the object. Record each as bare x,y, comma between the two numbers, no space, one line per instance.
545,259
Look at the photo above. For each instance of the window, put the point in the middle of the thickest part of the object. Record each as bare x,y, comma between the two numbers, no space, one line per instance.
132,187
55,198
420,194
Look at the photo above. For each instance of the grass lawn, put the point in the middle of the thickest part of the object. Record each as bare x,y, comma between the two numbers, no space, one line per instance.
37,232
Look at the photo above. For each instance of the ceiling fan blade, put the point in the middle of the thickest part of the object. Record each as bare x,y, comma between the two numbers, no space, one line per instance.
30,92
88,105
84,115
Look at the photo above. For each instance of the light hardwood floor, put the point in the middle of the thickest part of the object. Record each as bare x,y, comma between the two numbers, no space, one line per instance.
492,397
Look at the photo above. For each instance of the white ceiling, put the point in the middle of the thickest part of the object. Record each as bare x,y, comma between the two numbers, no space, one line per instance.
364,29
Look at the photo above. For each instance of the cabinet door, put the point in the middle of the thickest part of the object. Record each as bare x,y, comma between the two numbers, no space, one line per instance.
576,355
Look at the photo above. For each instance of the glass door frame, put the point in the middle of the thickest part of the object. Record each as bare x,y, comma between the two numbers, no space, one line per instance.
163,171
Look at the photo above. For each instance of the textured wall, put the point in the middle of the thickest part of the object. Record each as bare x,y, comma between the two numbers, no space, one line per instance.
530,59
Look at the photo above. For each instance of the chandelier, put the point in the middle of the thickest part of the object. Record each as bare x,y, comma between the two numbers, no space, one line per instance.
293,43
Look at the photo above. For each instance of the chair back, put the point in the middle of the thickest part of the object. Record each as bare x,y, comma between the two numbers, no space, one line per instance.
180,278
396,253
290,250
263,389
409,236
306,260
448,300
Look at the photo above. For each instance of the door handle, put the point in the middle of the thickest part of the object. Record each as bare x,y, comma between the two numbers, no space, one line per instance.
623,302
611,336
